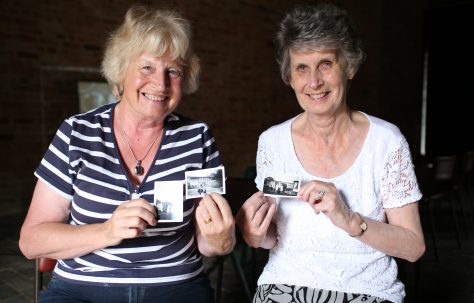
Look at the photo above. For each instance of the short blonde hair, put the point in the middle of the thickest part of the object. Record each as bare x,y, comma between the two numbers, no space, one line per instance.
154,31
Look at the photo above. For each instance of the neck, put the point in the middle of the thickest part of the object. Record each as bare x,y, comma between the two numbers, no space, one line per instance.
138,128
137,143
327,127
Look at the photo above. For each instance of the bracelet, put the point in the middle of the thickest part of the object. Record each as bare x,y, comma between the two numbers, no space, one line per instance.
363,227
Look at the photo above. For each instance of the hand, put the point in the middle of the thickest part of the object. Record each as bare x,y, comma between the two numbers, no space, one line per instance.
254,219
129,220
324,197
215,224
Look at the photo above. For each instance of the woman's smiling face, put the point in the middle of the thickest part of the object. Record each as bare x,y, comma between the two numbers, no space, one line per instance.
153,86
319,79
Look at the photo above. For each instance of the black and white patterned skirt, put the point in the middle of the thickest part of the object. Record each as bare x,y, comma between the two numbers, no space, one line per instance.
283,293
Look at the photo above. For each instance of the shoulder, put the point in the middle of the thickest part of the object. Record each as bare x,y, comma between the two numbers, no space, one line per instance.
95,121
176,123
384,132
386,139
277,131
95,115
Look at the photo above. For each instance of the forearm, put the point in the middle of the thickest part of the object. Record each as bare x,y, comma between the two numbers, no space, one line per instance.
62,241
392,240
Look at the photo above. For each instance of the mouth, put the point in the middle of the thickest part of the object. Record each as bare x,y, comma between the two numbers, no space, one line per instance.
318,96
155,98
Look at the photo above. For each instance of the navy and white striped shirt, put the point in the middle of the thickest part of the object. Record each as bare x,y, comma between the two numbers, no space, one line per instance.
83,165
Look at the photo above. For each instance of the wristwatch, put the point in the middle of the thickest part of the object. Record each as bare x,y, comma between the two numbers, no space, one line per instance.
363,226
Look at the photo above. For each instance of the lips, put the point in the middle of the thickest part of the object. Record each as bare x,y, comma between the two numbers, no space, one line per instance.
152,97
318,96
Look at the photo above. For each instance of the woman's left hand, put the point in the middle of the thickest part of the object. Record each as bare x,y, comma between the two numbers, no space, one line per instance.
324,197
215,225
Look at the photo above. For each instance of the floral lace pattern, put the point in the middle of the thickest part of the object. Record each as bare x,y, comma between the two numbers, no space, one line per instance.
311,251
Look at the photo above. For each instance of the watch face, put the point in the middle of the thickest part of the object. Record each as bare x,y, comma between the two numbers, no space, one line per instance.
363,226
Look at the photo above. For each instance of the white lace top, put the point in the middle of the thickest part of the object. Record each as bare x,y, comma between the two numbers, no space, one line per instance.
311,251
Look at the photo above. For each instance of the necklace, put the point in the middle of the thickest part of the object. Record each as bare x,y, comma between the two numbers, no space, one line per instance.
138,170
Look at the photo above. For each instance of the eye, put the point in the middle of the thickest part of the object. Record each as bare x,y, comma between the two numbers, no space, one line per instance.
146,69
174,73
301,68
325,65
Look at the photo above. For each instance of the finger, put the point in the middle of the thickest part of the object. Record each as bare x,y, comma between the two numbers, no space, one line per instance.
316,196
144,211
136,223
305,191
139,203
254,203
269,216
202,215
212,208
223,205
264,215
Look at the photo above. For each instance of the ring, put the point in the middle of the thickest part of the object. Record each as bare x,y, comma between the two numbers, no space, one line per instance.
209,220
321,194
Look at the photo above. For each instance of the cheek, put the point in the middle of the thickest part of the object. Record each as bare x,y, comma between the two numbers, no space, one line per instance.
177,88
135,82
297,84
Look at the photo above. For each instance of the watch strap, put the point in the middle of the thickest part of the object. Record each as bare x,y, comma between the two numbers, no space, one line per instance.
362,226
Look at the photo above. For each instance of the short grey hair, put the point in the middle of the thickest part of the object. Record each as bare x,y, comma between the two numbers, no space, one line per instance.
317,27
157,32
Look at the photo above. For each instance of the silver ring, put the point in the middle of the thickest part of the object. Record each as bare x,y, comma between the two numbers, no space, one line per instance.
321,194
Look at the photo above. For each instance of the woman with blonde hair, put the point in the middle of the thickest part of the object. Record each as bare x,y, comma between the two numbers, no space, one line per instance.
92,208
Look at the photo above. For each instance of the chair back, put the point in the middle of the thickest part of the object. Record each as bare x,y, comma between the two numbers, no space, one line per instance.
468,162
444,168
46,264
42,265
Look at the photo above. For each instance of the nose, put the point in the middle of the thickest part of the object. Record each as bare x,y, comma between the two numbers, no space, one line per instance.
315,78
160,79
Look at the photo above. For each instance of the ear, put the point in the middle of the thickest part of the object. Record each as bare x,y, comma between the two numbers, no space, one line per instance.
351,72
290,83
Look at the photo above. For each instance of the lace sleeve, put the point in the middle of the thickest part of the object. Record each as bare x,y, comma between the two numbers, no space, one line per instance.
399,184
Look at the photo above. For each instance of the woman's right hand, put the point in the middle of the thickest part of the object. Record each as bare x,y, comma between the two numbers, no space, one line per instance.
46,233
255,221
129,220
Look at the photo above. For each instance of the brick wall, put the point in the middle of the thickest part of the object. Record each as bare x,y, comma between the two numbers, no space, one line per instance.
49,45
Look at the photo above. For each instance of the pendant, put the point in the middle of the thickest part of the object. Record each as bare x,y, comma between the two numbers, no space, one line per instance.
138,168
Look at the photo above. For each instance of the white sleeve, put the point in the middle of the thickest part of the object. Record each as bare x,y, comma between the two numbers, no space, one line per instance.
399,184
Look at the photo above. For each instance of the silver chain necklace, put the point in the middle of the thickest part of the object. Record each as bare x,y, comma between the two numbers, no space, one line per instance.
138,170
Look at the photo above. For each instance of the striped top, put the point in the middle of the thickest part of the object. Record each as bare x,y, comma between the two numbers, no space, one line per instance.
83,165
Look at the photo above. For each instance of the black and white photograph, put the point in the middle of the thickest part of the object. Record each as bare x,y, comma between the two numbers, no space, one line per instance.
281,185
168,199
205,181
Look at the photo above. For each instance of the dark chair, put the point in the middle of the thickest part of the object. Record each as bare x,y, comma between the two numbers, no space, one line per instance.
424,175
465,185
440,187
42,266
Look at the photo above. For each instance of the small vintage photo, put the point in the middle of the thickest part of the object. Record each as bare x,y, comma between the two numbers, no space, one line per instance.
202,181
281,185
168,199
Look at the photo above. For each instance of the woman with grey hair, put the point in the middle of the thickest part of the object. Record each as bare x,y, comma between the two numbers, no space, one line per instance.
357,206
92,208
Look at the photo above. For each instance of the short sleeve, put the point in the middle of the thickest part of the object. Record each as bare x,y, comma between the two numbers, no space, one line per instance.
211,154
54,168
399,184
